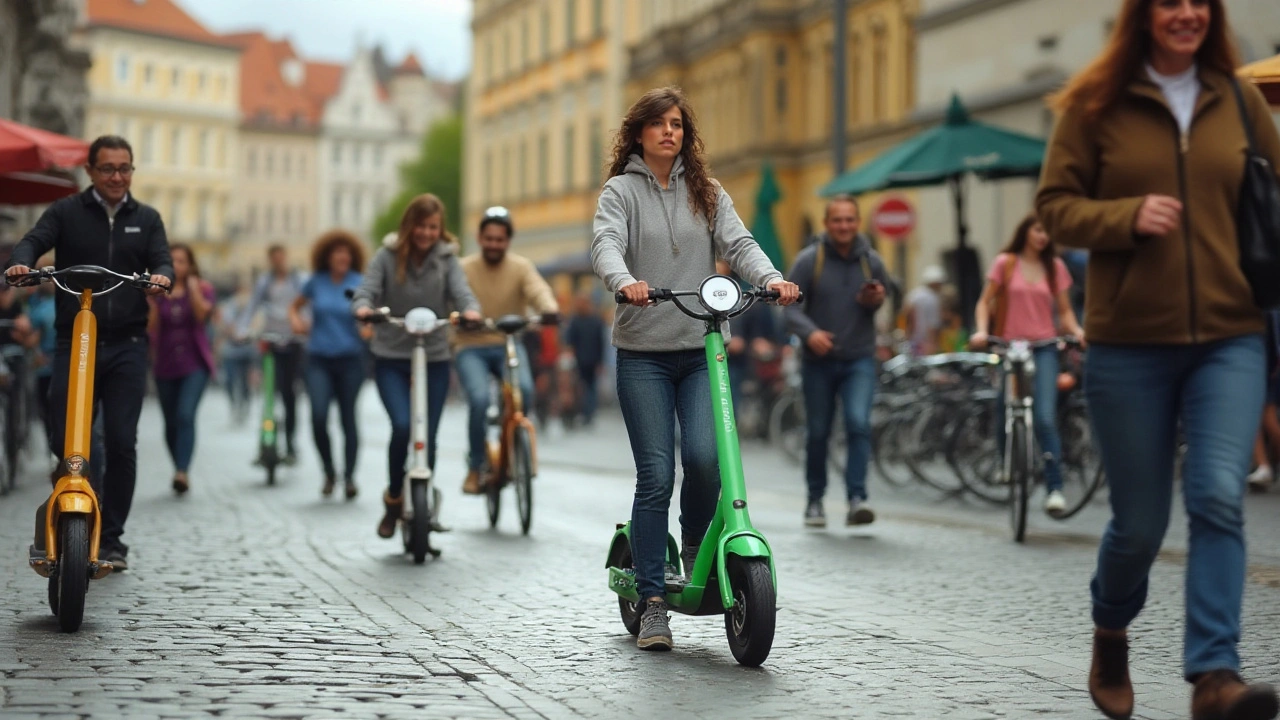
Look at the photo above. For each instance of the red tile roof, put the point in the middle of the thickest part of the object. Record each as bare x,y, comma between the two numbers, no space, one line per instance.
158,17
267,97
410,66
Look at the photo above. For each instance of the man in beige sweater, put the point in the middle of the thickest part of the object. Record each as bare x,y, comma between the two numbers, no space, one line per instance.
505,284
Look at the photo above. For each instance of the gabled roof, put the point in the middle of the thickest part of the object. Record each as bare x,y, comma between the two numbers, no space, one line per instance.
267,95
323,80
155,17
410,66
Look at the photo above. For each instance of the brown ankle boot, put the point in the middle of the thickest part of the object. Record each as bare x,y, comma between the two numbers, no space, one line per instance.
1222,695
471,485
395,509
1109,684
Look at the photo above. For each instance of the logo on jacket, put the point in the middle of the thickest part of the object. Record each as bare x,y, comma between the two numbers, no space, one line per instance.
132,229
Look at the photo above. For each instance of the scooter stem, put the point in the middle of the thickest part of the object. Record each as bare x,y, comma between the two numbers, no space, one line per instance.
733,486
418,405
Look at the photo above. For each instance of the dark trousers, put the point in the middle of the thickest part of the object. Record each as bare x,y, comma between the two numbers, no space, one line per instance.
288,364
119,386
331,379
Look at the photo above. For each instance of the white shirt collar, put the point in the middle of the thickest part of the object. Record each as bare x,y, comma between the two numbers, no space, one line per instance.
104,204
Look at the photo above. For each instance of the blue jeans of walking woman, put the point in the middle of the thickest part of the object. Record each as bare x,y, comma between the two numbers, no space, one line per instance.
393,380
1044,415
1137,397
179,400
853,382
654,387
329,379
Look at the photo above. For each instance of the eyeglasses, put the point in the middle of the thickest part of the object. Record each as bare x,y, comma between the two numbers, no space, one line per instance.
497,211
109,170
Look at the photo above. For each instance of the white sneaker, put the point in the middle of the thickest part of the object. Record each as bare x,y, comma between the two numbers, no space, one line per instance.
1260,480
1055,503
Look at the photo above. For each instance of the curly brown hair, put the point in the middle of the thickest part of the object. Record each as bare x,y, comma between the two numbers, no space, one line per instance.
703,193
1098,86
332,240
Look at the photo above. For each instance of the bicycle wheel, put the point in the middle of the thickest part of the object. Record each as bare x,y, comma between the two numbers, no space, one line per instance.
493,500
925,445
888,448
787,424
975,459
522,476
1082,472
1019,472
8,479
420,534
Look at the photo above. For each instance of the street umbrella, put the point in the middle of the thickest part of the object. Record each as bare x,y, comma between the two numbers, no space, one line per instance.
1266,75
763,229
946,154
26,149
23,188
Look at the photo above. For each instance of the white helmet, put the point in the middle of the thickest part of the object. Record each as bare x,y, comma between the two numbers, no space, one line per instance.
933,275
389,240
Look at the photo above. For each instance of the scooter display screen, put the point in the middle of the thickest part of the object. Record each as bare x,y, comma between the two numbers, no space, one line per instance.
719,293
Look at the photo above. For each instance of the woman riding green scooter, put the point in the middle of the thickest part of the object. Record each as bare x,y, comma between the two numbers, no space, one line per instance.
661,219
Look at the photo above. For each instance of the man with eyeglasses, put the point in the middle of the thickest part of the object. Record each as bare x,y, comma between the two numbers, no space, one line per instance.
505,284
106,226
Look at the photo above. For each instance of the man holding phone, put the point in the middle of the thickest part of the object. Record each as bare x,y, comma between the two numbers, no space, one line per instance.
843,280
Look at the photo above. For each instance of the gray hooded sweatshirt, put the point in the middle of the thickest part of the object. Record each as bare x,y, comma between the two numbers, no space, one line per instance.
643,232
437,283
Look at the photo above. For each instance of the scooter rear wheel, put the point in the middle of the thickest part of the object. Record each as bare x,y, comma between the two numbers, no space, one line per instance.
73,570
421,532
522,477
629,611
493,499
750,623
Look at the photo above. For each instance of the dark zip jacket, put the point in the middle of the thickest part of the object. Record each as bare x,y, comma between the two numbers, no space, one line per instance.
831,304
78,230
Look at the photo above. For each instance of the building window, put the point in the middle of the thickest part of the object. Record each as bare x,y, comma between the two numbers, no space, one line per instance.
595,153
202,221
147,152
780,85
302,165
288,218
175,213
123,127
269,162
251,162
880,81
377,156
286,163
524,41
522,182
488,176
175,146
149,74
506,54
269,220
337,154
1048,42
122,68
337,207
568,158
175,78
597,17
204,152
251,218
302,218
202,80
544,164
357,217
357,155
570,22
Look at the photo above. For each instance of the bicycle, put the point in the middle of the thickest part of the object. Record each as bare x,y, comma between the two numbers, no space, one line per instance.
513,456
423,517
1020,466
71,519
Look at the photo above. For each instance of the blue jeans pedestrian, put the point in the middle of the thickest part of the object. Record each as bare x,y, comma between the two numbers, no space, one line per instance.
475,365
1137,395
329,379
392,377
854,383
1044,415
179,400
652,388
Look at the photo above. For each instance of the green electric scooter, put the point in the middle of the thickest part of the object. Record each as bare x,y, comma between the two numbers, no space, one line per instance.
734,573
269,457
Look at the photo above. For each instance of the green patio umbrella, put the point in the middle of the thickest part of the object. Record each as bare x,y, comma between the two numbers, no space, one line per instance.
946,154
763,228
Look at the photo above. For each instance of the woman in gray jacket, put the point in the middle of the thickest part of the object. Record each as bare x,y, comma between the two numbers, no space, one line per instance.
420,271
661,219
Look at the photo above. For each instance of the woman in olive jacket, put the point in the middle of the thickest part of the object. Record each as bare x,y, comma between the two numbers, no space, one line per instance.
1144,170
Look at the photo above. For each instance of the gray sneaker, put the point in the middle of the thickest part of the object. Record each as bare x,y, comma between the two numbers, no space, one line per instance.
689,555
814,516
859,513
655,627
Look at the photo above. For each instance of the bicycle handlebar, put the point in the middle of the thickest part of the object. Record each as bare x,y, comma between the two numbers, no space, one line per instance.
49,274
1063,342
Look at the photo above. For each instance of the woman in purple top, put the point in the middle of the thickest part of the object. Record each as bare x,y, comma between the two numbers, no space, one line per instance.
182,357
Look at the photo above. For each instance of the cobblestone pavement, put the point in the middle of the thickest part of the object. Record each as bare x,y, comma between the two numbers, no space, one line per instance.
249,601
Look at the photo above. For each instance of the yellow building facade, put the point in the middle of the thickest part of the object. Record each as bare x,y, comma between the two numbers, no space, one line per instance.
176,100
760,77
545,94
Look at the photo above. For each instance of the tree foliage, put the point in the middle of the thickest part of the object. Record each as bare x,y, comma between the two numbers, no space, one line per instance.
437,170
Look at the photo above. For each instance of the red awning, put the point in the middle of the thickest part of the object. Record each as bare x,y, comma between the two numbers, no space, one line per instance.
26,149
34,188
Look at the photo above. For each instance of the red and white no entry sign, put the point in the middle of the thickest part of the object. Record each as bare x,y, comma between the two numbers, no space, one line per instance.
894,217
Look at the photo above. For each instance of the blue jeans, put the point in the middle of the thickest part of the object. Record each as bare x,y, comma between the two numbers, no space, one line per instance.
393,379
475,365
854,383
329,379
235,371
1044,415
1137,395
589,377
179,399
653,387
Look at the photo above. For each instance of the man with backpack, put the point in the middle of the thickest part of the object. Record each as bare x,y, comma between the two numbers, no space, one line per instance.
844,283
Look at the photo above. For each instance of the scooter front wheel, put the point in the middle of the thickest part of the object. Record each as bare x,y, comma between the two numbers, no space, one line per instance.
72,578
493,499
750,623
629,611
421,527
522,476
